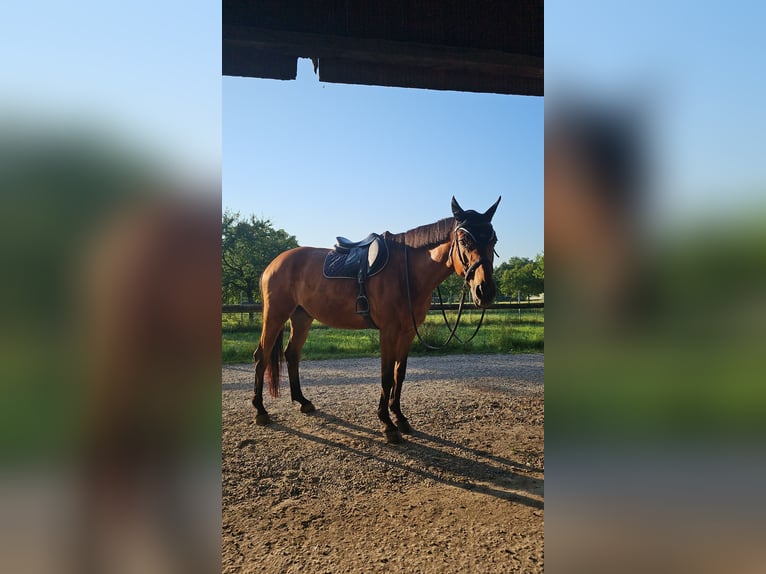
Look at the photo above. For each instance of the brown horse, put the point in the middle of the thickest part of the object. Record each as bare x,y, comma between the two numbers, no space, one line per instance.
294,288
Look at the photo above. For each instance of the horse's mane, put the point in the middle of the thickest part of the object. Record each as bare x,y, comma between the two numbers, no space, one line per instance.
427,236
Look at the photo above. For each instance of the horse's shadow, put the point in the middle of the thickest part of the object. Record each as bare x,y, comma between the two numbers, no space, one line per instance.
439,459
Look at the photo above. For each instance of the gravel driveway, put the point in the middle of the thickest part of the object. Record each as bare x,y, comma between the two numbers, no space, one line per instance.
324,493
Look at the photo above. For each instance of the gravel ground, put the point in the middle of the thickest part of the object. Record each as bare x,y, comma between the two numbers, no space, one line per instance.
324,493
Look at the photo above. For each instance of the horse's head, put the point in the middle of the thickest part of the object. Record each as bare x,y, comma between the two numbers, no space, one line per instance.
473,251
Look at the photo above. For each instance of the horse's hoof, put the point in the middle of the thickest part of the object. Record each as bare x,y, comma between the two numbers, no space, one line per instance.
393,436
403,426
262,419
308,407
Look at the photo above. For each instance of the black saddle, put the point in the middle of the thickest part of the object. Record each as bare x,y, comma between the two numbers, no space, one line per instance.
345,245
357,260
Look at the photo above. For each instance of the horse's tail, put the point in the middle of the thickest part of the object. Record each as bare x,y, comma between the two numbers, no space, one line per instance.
274,364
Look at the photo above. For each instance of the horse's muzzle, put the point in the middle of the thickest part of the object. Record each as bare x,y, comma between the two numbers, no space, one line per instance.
484,294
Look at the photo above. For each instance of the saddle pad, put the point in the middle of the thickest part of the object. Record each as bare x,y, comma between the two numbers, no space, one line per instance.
346,265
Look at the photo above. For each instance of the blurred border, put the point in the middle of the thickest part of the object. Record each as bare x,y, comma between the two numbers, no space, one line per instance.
110,305
656,299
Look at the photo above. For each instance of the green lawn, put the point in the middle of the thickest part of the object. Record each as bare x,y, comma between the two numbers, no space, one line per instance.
503,331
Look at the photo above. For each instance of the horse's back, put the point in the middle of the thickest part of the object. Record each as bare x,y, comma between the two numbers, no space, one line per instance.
290,270
297,260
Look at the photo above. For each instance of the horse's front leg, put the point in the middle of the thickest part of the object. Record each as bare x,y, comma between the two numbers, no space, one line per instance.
395,401
387,365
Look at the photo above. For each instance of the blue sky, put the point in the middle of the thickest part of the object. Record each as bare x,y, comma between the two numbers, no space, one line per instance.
321,160
148,73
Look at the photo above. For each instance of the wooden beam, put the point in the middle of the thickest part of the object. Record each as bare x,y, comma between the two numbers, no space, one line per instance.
385,62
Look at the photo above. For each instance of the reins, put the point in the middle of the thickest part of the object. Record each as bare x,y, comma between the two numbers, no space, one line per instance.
446,322
453,329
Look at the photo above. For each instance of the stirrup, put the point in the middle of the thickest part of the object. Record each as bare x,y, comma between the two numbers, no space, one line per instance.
362,306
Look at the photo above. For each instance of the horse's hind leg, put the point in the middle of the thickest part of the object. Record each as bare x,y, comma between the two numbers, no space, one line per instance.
300,323
270,335
262,418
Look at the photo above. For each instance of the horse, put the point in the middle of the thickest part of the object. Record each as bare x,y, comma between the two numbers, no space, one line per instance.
294,288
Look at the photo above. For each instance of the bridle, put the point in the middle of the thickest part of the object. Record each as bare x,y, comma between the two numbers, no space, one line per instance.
469,270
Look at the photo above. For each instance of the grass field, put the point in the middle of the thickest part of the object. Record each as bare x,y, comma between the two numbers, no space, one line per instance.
503,331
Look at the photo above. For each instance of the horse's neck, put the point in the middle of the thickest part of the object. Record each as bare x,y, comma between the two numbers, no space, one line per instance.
433,266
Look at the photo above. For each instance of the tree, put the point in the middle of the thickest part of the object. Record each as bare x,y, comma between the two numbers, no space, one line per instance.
248,246
451,287
521,277
539,271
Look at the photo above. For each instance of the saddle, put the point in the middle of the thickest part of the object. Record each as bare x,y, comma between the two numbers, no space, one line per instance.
357,260
345,245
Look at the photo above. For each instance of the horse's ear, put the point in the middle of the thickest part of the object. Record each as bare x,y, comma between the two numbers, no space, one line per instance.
457,211
491,211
